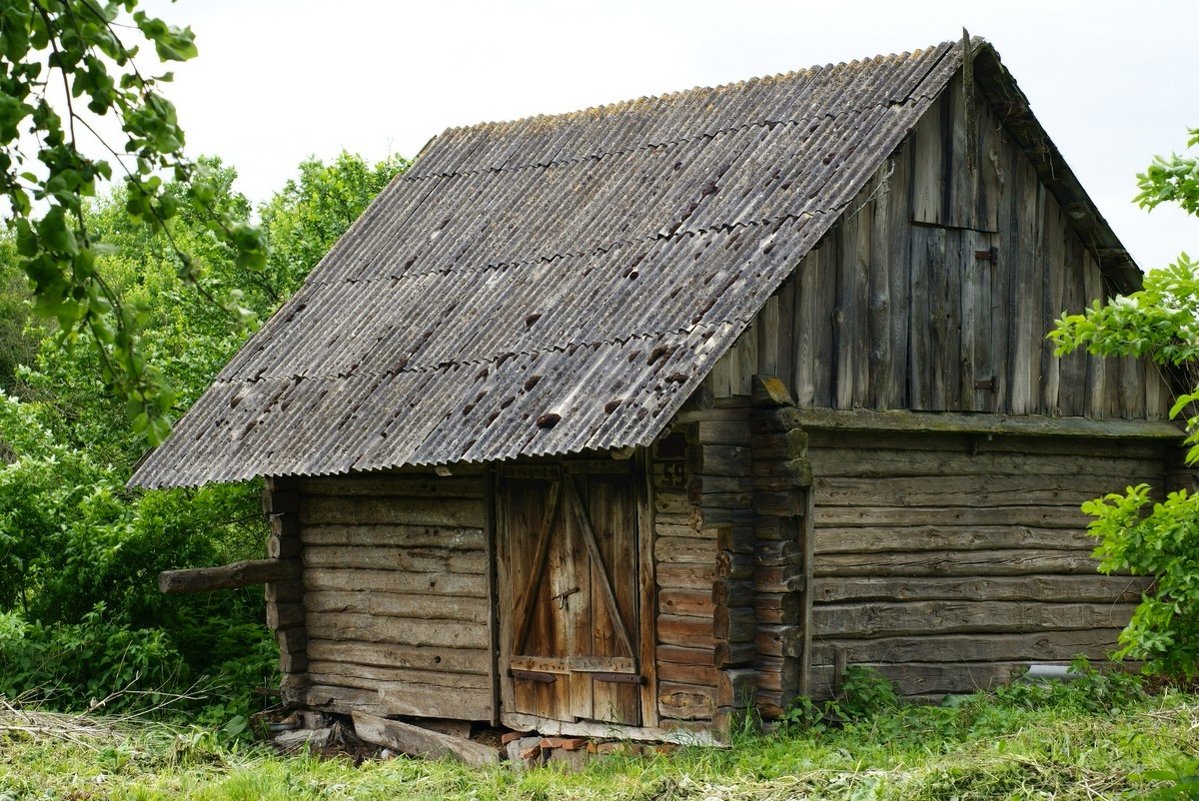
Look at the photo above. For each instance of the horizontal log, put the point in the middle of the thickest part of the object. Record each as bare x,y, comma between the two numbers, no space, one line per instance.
672,502
686,577
1068,516
442,584
966,442
738,539
693,603
405,560
684,656
775,421
284,616
351,674
730,565
736,624
734,593
733,654
416,741
719,460
779,673
721,432
686,701
931,679
398,698
283,592
839,621
292,641
794,472
663,528
396,485
980,491
402,605
690,632
1041,645
398,631
840,462
951,538
292,662
778,607
1050,589
434,537
784,578
736,687
707,518
779,640
676,672
684,550
955,563
429,658
386,510
781,446
227,577
777,553
950,422
701,485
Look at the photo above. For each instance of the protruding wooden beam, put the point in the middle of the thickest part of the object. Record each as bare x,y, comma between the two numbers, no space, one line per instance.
227,577
418,741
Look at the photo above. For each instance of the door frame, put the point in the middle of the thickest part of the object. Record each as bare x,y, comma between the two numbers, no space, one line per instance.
646,627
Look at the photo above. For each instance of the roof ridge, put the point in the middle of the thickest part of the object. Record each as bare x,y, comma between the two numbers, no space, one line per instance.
603,109
407,177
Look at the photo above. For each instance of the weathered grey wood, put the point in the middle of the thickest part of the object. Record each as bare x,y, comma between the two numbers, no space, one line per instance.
425,658
692,603
975,491
226,577
736,687
887,539
461,512
411,606
439,584
879,619
690,632
932,679
353,674
404,560
1041,645
417,741
685,550
1067,516
863,419
686,701
450,539
396,698
1051,589
371,628
852,462
956,563
395,484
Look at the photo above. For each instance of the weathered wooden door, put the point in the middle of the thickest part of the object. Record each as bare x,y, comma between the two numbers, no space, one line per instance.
567,539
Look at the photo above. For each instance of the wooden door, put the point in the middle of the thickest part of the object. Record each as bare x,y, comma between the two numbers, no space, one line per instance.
569,593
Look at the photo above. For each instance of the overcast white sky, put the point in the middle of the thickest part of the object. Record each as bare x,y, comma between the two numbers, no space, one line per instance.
278,80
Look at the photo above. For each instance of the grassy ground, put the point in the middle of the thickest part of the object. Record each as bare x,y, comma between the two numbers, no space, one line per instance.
1073,743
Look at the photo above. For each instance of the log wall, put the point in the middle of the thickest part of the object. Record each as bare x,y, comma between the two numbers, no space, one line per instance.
396,595
950,562
284,599
935,290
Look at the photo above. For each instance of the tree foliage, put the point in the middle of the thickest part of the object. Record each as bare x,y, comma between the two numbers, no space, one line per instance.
1161,322
80,614
76,109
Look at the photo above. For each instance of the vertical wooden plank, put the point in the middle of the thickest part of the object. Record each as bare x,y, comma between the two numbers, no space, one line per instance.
992,166
805,321
825,355
493,633
962,181
851,320
1097,402
768,337
1053,277
928,247
787,330
928,166
979,379
747,361
1022,254
648,583
1073,388
505,569
1132,387
878,272
944,318
807,535
722,374
893,394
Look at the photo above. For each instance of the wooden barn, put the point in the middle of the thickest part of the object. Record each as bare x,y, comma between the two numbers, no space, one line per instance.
622,421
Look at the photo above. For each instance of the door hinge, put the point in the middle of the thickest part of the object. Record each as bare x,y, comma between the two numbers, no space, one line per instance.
991,255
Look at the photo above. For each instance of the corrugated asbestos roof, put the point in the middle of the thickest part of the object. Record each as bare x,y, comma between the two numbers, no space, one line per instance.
592,266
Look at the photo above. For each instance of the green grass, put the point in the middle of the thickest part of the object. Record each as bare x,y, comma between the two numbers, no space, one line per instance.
1020,744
